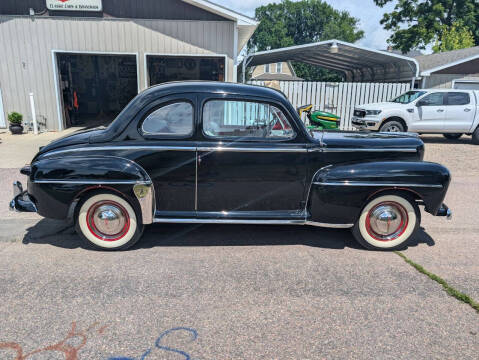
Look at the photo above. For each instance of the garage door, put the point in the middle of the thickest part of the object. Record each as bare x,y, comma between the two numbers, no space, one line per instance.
466,85
163,69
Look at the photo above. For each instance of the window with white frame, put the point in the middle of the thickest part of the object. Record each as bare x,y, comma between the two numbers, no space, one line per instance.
279,68
267,68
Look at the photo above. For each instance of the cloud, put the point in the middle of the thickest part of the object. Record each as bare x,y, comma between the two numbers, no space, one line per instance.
366,11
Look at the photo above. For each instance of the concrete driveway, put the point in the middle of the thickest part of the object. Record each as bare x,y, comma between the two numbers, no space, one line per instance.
243,292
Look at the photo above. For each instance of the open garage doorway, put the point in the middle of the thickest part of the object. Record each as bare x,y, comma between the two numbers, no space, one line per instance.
94,88
164,68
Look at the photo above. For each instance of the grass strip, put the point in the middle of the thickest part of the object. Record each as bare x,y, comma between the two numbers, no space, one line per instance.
448,288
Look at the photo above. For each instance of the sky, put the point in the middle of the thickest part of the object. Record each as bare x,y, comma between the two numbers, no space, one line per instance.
366,11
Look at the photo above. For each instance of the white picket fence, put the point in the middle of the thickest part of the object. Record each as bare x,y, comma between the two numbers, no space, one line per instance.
338,98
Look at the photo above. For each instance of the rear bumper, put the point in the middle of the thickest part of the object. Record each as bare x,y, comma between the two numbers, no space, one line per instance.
444,211
21,200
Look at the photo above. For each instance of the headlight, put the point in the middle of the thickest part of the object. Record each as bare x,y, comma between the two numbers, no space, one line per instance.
373,112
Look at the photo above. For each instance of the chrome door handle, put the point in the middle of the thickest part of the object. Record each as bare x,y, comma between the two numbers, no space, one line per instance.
467,110
440,110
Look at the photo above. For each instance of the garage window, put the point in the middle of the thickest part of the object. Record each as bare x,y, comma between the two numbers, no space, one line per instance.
170,120
163,69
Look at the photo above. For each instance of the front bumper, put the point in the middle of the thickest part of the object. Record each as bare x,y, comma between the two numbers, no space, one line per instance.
366,123
21,200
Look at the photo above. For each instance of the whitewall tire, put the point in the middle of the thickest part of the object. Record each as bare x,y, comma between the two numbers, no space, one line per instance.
108,222
387,222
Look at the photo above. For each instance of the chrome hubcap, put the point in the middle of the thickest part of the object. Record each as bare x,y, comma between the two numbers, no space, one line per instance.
108,221
387,221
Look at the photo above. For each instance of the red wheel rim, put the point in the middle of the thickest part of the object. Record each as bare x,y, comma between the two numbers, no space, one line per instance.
108,220
387,221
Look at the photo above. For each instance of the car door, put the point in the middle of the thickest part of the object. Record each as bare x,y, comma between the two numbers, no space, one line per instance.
459,112
252,161
431,113
168,127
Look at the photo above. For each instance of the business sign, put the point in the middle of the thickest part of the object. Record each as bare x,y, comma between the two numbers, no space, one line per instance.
75,5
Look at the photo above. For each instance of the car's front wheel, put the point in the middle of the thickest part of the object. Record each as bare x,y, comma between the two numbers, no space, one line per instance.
452,136
387,222
108,222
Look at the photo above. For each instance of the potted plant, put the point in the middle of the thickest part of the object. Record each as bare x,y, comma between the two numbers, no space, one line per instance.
15,120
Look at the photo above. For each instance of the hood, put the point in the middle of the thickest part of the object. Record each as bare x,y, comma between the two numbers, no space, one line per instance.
80,137
402,143
378,106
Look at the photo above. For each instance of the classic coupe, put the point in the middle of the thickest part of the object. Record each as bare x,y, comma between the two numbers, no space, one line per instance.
208,152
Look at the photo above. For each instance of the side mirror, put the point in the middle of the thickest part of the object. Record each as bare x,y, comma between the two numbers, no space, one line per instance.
420,103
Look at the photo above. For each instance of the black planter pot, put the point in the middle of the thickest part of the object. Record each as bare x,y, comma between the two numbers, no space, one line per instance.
16,129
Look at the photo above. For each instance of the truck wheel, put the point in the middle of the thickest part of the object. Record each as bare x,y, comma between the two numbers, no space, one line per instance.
475,137
387,222
108,222
392,126
452,136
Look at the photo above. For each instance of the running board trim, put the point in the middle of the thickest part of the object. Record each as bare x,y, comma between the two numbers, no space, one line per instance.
250,222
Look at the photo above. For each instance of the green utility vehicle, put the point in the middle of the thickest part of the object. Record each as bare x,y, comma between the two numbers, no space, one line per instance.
320,120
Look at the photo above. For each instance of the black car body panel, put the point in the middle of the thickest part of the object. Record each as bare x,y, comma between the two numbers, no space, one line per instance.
306,178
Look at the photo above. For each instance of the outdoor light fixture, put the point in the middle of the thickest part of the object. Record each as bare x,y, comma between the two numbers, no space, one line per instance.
32,12
334,48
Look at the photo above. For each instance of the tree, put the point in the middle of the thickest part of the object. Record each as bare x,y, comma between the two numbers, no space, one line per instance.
417,23
296,23
457,36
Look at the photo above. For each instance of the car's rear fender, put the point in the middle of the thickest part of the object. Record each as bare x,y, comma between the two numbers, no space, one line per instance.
339,192
56,184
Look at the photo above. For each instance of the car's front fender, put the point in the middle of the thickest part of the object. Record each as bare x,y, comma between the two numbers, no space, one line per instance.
339,192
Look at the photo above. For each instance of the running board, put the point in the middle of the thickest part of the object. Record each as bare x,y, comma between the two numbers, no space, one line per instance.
250,222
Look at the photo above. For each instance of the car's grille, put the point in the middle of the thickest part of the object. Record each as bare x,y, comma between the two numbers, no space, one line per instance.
359,113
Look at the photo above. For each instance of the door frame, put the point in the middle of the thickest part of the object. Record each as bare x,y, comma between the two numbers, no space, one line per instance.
3,123
147,74
56,72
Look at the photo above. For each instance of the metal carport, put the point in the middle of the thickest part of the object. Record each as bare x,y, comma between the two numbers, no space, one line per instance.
358,63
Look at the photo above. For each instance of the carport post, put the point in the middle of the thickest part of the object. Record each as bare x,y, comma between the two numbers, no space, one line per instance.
34,114
413,82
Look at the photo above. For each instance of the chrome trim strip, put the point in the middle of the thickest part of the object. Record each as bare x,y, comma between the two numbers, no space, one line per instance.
331,226
197,160
93,182
250,222
253,149
358,183
111,148
409,150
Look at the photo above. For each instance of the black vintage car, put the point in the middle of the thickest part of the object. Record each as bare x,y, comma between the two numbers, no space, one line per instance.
207,152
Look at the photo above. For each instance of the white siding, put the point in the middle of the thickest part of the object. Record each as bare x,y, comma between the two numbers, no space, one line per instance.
444,81
26,45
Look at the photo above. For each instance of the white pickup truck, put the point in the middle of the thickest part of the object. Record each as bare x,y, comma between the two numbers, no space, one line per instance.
445,111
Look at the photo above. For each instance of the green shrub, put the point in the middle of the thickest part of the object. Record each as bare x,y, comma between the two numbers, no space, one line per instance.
15,118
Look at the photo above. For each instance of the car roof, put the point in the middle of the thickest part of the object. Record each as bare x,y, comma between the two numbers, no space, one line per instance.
214,87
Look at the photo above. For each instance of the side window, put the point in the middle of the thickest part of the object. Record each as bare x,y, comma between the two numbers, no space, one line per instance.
170,120
458,98
434,99
244,119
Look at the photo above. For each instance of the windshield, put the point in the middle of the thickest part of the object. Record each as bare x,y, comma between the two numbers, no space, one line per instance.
408,97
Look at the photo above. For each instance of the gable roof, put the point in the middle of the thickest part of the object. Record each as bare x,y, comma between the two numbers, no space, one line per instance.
246,25
434,62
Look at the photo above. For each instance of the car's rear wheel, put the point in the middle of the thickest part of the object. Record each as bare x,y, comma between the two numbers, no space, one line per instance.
108,222
392,126
452,136
387,222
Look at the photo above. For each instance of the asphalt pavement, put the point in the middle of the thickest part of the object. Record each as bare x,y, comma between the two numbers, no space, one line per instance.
243,292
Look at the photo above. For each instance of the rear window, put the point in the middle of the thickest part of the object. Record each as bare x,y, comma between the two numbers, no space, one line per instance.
458,98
